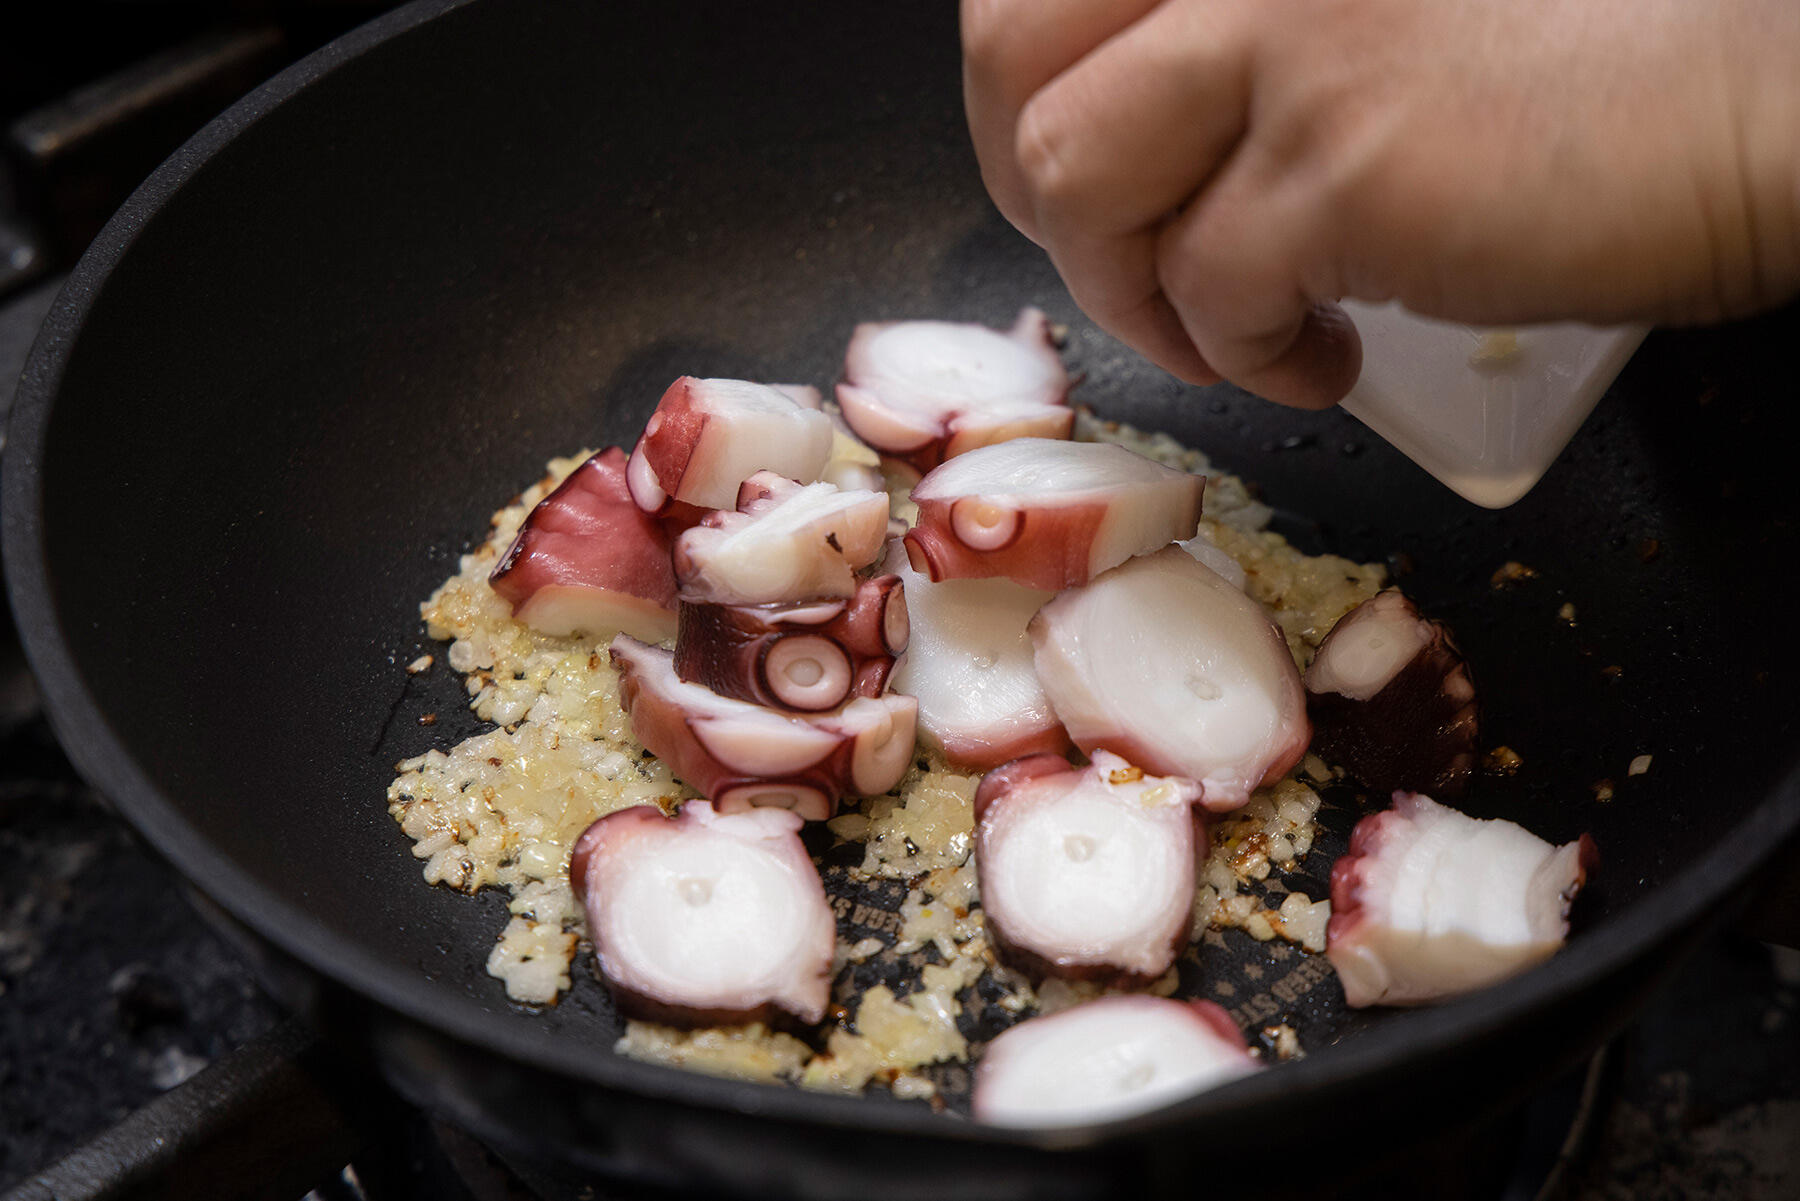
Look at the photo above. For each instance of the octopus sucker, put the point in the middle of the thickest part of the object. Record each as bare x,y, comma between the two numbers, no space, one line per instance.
1086,873
1391,700
784,542
707,436
805,656
1107,1059
922,392
1048,514
1163,662
1429,903
587,560
706,919
743,755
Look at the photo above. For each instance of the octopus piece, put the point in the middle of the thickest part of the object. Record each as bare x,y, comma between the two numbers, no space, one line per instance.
676,517
1086,873
1203,548
706,919
785,542
1391,700
744,756
852,465
707,436
921,392
588,561
806,656
1048,514
1163,662
1107,1059
969,664
1430,903
804,395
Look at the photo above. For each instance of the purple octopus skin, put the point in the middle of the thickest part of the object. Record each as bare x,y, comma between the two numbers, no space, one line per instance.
969,664
1203,688
587,561
1391,700
785,542
745,756
921,392
1047,514
1086,873
1429,903
706,919
806,656
707,436
1107,1059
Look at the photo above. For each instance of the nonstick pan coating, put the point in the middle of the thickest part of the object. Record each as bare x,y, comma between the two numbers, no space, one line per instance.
294,377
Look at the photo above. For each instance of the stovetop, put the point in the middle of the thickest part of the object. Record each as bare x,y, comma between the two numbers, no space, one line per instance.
115,993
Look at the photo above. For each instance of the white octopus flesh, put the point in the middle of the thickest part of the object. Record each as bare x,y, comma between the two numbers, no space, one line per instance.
785,542
1086,872
921,392
969,664
1163,662
1430,903
707,436
1107,1059
706,919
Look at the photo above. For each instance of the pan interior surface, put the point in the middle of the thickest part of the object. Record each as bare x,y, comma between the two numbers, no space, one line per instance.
302,381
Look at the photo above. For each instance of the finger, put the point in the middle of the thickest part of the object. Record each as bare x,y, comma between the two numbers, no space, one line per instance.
1244,270
1113,145
1114,280
1118,141
1011,48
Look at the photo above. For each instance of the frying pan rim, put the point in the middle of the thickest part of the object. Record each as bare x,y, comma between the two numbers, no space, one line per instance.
1394,1047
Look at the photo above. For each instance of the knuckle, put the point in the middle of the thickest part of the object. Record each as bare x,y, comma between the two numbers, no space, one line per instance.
1042,146
1186,270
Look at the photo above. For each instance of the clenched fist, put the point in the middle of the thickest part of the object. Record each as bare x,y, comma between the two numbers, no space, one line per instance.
1211,176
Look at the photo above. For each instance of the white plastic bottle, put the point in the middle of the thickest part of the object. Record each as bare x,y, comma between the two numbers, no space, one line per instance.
1484,410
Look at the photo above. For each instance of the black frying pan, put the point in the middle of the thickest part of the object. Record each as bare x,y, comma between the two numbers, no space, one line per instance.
293,377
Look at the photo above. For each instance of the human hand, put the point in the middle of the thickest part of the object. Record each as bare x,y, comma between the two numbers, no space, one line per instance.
1209,176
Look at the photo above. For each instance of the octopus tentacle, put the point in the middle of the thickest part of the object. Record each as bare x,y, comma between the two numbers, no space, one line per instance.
587,560
1430,903
709,435
743,755
675,516
1391,700
1086,873
1048,514
706,919
921,392
1204,689
809,656
970,664
785,542
1107,1059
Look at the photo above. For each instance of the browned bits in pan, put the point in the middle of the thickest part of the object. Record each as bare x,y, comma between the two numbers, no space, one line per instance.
1512,573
